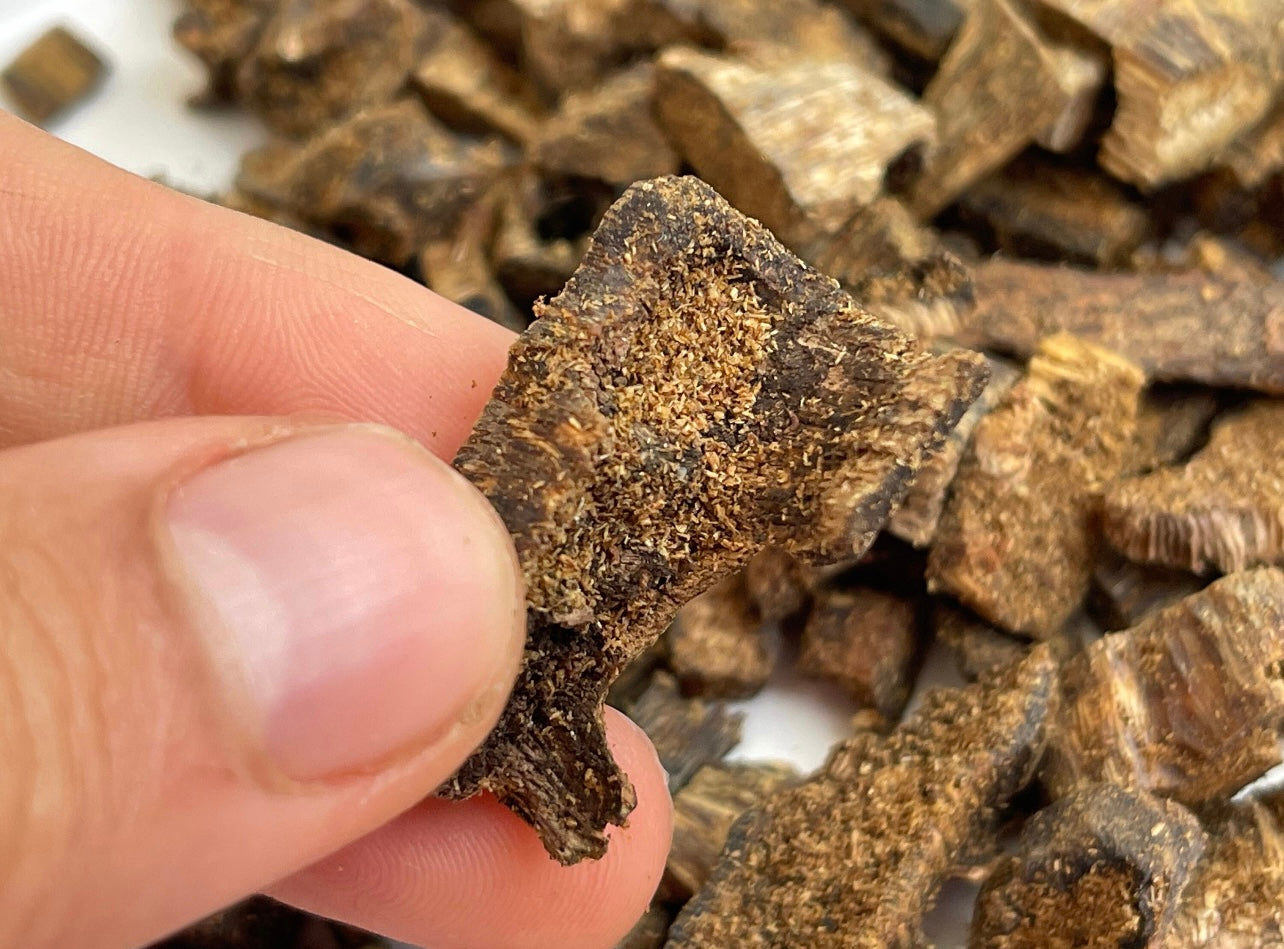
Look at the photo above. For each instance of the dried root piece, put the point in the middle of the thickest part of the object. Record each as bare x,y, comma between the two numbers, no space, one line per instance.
979,649
1124,593
609,133
694,395
866,641
1186,704
467,86
1103,867
1189,327
718,645
703,813
1000,85
1039,208
798,144
687,733
1172,422
916,521
852,858
221,33
1224,509
51,75
1236,898
415,180
1016,542
316,62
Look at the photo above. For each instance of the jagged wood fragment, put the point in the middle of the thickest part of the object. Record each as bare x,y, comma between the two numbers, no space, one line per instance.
221,33
703,813
1189,327
779,586
1187,704
718,645
687,733
384,183
866,641
694,395
918,516
978,647
1000,84
852,858
881,237
923,28
315,63
466,85
1016,542
1223,509
1102,867
798,144
528,264
51,75
1039,208
1125,593
1236,898
1172,423
608,132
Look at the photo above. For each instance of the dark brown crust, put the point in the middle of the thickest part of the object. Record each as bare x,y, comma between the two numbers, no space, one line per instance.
694,394
852,858
1104,867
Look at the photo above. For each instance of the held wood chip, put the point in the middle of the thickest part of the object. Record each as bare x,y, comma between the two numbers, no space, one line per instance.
1223,509
853,857
1017,542
1187,704
694,394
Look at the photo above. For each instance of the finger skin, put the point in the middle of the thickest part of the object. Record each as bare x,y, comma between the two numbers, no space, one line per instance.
124,301
470,875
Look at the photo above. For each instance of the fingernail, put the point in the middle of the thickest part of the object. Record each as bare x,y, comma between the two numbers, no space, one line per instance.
360,593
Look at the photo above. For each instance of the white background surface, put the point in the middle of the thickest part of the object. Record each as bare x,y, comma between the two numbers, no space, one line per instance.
139,120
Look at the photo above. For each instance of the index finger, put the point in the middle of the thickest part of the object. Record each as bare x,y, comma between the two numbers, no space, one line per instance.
122,301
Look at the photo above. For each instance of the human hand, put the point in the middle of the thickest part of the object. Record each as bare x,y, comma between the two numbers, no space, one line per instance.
239,636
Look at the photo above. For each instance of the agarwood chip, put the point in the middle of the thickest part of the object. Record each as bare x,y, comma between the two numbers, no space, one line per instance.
1103,867
923,297
1125,593
864,640
703,813
687,733
51,75
1187,704
778,585
798,144
718,645
529,264
853,857
1258,153
608,132
221,34
884,238
1223,509
923,28
1016,542
1191,327
1172,423
694,395
1236,898
978,647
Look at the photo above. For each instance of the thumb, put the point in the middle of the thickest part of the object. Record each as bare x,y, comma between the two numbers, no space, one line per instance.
227,648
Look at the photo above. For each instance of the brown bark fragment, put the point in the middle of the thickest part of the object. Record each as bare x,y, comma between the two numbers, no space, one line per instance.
718,645
221,33
1124,593
695,394
316,63
1016,542
1172,423
703,813
978,647
798,144
1236,898
384,183
1103,867
51,75
1191,327
609,133
916,521
1223,509
1186,704
923,28
687,733
465,84
1039,208
1000,85
865,641
852,858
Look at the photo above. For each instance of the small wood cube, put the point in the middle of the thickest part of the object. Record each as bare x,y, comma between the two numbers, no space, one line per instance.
51,75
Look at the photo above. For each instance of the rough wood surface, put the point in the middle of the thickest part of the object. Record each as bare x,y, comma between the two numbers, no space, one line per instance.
51,75
852,858
1223,509
865,641
1103,867
1125,593
718,645
978,647
1187,704
694,395
1191,327
1016,542
798,144
687,733
608,132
